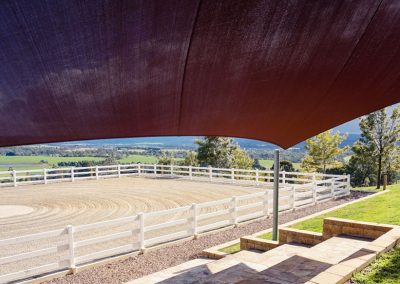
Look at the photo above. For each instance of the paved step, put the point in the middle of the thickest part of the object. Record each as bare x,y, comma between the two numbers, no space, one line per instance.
253,267
281,253
289,263
190,270
335,249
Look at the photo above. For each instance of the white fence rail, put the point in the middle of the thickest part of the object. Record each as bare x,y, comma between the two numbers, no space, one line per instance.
44,176
138,232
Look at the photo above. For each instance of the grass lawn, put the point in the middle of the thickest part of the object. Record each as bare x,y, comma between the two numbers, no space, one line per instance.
384,208
384,270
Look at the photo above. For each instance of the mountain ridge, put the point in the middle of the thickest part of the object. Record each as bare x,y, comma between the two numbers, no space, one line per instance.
186,142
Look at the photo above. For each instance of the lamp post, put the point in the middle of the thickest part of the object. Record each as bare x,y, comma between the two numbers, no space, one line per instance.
276,197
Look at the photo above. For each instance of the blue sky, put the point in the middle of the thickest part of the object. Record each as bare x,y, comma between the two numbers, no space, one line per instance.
351,127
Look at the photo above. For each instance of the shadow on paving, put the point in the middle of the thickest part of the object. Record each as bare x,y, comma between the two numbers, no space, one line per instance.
295,269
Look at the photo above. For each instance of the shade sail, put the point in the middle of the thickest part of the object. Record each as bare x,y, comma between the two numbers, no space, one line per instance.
277,71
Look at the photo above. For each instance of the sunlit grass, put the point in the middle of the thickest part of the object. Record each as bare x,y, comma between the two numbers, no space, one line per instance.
384,270
384,208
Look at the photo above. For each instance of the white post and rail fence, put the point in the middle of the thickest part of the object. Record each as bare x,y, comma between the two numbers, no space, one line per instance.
82,244
45,176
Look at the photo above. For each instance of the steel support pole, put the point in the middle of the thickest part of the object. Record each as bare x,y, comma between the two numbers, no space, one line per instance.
276,197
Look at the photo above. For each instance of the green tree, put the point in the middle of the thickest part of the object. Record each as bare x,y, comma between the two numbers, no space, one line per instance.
379,135
284,166
221,152
361,167
241,160
215,151
166,160
190,159
323,151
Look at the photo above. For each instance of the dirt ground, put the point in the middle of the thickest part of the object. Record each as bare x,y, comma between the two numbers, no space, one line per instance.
53,206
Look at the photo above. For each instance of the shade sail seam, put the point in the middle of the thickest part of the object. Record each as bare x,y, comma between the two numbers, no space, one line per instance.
185,66
355,47
19,13
328,89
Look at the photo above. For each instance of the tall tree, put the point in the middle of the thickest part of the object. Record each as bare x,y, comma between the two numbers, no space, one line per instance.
191,159
361,166
379,135
221,152
241,160
323,151
215,151
166,160
284,166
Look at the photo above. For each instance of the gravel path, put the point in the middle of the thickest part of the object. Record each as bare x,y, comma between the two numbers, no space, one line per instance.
153,261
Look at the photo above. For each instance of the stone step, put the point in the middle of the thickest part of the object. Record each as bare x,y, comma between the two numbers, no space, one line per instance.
281,253
335,249
251,265
289,263
182,273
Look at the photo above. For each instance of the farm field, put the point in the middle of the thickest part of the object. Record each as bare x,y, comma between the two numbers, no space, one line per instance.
37,162
268,164
41,162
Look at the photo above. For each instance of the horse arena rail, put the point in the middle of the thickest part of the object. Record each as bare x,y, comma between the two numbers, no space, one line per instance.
144,230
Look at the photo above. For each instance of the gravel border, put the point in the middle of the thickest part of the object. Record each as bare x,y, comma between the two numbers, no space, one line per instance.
159,259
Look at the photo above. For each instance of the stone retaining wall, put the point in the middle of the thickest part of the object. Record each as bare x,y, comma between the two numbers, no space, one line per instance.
337,226
251,242
331,227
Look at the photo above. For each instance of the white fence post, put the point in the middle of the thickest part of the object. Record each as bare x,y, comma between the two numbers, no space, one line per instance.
141,232
194,220
314,188
257,176
172,170
71,249
294,197
314,191
210,173
72,175
155,169
45,176
97,172
139,171
333,187
119,171
190,172
14,173
348,184
283,177
233,175
234,205
266,201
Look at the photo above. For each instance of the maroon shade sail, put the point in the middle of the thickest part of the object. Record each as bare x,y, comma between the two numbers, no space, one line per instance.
277,71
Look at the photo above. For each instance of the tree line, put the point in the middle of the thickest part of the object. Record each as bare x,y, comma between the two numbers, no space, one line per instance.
375,154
